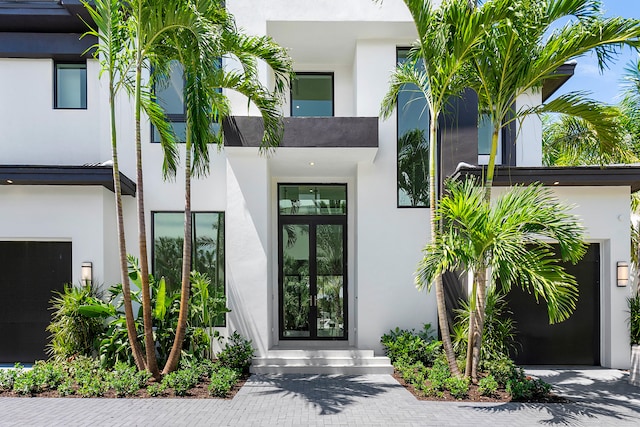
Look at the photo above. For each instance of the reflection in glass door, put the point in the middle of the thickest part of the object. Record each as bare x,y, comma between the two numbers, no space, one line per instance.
312,261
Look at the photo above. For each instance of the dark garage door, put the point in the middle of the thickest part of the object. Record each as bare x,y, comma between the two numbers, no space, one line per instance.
575,341
29,272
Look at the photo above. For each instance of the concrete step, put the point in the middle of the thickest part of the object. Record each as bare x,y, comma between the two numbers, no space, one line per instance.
314,361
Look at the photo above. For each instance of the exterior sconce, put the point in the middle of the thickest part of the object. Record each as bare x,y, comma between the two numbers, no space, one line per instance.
87,273
622,273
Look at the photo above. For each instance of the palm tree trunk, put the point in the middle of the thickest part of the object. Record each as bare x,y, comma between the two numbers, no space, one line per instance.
174,355
122,247
481,307
443,322
149,342
472,325
491,167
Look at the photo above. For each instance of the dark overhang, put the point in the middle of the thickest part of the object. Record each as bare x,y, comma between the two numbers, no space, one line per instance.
309,132
574,176
44,29
64,175
559,77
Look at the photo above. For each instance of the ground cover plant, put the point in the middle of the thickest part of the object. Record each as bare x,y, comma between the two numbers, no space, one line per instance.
85,377
421,366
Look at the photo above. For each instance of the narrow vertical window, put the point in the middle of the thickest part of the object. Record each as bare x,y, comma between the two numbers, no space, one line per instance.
70,85
207,250
413,144
312,95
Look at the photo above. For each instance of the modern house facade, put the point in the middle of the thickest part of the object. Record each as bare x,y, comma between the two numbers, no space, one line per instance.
315,244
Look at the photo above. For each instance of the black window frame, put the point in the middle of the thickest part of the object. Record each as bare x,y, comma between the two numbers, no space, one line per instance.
193,237
56,63
398,205
176,118
315,73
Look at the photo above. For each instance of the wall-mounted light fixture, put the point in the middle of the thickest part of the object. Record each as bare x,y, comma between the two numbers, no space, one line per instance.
87,273
622,273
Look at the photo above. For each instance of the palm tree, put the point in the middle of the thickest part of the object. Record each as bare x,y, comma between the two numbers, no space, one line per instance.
506,238
515,58
112,53
448,36
205,104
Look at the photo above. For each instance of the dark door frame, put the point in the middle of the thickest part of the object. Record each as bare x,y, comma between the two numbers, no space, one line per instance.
313,221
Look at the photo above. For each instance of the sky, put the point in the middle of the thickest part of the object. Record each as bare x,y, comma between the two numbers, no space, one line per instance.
604,86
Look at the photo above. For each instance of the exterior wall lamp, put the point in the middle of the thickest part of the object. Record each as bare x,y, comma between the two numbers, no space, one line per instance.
622,273
87,273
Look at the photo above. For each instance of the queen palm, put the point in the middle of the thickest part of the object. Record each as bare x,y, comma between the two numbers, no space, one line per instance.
205,105
508,239
448,36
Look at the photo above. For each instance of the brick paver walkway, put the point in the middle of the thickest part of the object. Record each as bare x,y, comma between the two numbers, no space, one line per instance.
601,397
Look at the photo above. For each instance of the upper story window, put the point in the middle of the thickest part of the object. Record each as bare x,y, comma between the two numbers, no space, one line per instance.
312,95
413,144
170,96
485,131
70,85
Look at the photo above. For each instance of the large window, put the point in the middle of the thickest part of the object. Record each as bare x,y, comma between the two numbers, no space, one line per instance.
169,94
413,144
70,85
207,254
312,95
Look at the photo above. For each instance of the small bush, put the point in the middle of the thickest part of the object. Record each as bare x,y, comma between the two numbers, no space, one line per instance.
488,386
458,387
222,381
8,377
438,374
156,389
527,388
66,387
411,345
237,354
181,381
634,318
127,380
502,370
43,376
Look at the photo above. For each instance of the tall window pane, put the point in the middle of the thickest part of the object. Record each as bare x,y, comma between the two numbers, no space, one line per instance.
70,86
485,133
312,95
413,144
207,249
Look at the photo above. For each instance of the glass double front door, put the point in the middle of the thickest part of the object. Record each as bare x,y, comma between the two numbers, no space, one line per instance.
312,277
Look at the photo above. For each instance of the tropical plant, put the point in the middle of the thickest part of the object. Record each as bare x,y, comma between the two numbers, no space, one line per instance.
409,346
72,333
237,354
447,38
498,337
634,318
505,238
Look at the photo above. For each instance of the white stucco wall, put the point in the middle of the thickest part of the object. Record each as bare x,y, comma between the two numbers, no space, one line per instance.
529,131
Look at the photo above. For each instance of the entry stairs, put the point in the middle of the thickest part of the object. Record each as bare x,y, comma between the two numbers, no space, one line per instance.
348,361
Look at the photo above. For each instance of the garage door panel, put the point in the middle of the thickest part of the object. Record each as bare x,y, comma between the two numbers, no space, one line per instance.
29,273
576,341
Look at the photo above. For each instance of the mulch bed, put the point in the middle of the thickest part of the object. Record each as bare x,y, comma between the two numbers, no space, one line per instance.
200,391
501,396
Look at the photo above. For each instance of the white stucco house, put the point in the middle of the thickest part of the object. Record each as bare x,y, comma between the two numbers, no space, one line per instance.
314,245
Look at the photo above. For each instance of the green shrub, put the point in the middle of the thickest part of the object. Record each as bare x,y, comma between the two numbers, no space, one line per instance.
156,389
72,333
458,387
502,370
527,388
8,377
410,345
634,318
222,381
181,381
66,387
438,374
237,354
488,386
43,376
126,380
